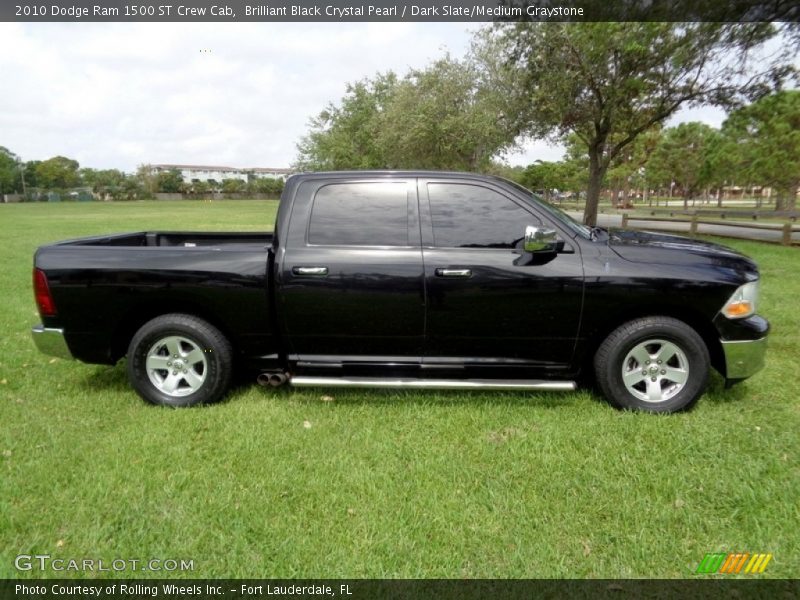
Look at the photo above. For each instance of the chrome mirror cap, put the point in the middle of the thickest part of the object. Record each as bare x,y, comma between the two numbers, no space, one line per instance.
540,239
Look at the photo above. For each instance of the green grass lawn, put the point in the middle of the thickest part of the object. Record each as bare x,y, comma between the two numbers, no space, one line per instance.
284,483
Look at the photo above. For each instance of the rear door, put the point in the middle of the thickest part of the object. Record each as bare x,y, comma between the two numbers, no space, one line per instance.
351,282
490,307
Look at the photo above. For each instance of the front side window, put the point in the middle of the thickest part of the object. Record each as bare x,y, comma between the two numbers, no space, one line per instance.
360,214
472,216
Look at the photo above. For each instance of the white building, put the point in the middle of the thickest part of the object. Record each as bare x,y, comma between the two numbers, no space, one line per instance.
195,173
274,173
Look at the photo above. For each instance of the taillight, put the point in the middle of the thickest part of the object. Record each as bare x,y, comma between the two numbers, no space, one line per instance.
44,300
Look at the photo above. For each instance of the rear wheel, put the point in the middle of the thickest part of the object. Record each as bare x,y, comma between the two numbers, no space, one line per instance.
179,360
655,364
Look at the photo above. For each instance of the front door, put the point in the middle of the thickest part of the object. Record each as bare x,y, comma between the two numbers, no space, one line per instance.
489,308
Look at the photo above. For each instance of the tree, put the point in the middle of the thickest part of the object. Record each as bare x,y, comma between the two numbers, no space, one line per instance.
683,155
446,116
266,185
766,136
627,169
506,171
200,187
10,172
346,136
29,172
57,173
103,181
170,181
147,179
132,188
443,117
544,177
608,82
233,186
725,164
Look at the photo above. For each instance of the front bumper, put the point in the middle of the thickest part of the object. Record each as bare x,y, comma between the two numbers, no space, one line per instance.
51,341
744,358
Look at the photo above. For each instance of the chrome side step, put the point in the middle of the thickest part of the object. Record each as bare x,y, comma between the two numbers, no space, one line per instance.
435,384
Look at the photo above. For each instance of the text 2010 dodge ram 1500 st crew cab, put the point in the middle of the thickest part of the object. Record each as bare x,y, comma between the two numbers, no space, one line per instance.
409,279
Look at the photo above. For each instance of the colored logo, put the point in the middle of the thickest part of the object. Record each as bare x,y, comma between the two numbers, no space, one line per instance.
733,563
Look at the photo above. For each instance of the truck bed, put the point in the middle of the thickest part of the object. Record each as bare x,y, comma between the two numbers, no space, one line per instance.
185,239
107,286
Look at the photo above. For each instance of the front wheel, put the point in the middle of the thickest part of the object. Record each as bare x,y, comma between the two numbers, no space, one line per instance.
655,364
179,360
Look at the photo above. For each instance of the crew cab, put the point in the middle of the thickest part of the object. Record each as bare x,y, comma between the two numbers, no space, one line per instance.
406,279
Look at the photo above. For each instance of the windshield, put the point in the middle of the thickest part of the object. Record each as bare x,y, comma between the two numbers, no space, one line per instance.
555,212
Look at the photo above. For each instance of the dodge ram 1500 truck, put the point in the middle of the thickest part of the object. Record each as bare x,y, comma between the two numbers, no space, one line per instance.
407,279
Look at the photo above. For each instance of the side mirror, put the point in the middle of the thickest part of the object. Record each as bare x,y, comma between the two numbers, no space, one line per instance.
540,239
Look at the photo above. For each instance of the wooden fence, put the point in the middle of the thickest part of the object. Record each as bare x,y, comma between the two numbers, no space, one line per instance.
786,229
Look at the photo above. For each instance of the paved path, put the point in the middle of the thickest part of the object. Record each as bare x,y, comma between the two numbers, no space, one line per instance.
615,220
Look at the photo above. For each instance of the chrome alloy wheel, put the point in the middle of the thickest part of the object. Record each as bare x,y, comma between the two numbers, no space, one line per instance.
655,370
177,366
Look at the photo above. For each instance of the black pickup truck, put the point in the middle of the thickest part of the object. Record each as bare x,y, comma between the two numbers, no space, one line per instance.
406,279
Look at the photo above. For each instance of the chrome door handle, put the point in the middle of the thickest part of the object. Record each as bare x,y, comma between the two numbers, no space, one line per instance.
313,271
460,273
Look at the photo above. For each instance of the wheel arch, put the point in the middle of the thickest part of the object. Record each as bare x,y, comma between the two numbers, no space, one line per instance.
693,318
131,322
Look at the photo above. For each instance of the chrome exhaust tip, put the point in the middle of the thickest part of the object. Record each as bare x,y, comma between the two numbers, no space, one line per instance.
272,379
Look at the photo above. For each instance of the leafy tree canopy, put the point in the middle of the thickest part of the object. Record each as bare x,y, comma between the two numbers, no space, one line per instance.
764,141
231,186
169,181
445,116
103,180
10,171
345,136
57,173
607,83
684,156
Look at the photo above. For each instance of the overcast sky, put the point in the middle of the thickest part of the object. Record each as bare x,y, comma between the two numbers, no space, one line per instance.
123,94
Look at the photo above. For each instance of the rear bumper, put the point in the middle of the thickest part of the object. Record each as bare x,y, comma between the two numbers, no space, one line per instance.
51,341
744,358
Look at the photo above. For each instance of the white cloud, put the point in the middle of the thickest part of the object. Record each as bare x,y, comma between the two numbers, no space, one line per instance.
118,95
121,94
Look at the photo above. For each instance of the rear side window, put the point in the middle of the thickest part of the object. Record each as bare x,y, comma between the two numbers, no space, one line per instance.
360,214
471,216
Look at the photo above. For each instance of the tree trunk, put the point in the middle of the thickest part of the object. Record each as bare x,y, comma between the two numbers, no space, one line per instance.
596,173
791,201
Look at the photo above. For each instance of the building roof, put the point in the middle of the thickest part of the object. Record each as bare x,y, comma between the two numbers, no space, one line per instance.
221,168
269,170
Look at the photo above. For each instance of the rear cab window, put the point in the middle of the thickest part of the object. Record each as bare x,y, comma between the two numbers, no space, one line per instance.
360,214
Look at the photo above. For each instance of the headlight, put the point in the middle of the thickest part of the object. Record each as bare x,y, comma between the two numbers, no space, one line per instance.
743,301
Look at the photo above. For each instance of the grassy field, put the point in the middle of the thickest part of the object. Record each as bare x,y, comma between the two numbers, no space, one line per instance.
382,484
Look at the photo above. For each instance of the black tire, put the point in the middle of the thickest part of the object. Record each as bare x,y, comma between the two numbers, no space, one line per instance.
179,360
628,371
